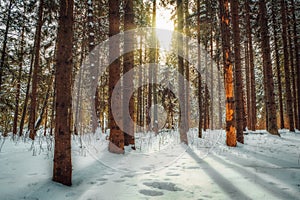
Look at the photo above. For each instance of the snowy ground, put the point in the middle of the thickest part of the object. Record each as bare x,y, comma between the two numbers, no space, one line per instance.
265,167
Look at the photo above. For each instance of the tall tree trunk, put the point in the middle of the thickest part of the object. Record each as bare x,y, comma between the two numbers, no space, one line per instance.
287,74
220,109
22,121
297,56
44,106
248,86
268,75
182,117
93,65
187,67
228,73
140,89
116,137
52,117
293,74
277,63
62,169
205,106
153,57
238,86
200,107
212,122
251,63
79,84
16,114
36,72
3,53
128,65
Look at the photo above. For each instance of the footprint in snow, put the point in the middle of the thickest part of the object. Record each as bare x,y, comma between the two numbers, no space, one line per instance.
163,186
151,193
70,194
119,181
101,179
172,174
127,176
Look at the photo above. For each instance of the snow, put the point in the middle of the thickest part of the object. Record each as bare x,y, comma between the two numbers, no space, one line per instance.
265,167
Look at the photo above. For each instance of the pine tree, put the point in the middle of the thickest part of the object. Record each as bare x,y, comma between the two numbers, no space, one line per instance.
268,72
238,86
182,117
128,66
116,137
36,72
228,73
62,169
287,75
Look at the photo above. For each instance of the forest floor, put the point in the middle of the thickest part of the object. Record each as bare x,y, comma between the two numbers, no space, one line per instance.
265,167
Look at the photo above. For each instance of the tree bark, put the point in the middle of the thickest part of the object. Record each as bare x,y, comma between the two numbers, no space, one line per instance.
200,107
228,73
251,63
287,75
116,137
16,114
187,65
238,86
297,56
36,72
268,75
3,53
128,66
182,117
62,169
277,63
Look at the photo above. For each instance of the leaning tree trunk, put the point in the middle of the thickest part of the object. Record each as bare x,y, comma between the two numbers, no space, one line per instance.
3,53
62,169
268,75
228,73
36,72
16,114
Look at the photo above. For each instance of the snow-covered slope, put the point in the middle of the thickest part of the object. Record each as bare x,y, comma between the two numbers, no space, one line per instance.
265,167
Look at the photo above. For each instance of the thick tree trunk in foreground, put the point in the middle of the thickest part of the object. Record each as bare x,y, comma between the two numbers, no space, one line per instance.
182,117
238,87
228,74
62,169
116,137
127,66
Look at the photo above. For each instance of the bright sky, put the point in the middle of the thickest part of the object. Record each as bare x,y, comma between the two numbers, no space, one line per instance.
163,19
